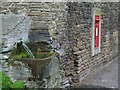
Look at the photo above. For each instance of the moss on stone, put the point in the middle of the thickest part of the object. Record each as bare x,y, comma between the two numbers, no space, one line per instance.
39,50
17,85
5,81
43,55
7,84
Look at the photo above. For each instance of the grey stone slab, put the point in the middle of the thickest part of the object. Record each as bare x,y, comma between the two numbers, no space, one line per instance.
0,32
14,28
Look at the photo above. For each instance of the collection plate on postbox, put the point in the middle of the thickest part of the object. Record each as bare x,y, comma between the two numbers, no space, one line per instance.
96,31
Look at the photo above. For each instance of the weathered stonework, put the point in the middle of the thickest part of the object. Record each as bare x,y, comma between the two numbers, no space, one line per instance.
80,20
69,24
14,28
45,20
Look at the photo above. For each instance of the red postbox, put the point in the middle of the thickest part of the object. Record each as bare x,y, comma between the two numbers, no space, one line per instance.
96,31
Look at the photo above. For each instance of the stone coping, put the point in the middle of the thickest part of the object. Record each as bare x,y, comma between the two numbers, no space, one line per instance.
59,1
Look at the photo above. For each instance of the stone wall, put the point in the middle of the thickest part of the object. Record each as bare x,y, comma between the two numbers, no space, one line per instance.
69,24
80,21
46,23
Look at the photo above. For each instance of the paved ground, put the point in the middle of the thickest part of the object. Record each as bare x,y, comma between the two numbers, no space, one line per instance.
107,77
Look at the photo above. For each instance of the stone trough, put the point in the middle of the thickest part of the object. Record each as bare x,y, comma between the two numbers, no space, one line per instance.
37,64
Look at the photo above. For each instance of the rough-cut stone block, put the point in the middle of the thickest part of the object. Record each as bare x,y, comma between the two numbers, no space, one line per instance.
14,28
38,25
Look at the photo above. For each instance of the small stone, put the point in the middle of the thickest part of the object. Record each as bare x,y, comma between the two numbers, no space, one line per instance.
75,49
78,72
5,57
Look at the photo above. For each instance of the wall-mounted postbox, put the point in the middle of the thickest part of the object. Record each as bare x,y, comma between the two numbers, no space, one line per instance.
96,31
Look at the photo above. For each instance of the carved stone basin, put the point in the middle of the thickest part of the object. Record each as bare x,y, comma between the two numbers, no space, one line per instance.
38,64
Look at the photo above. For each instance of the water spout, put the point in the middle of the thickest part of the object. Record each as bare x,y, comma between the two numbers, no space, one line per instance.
27,49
